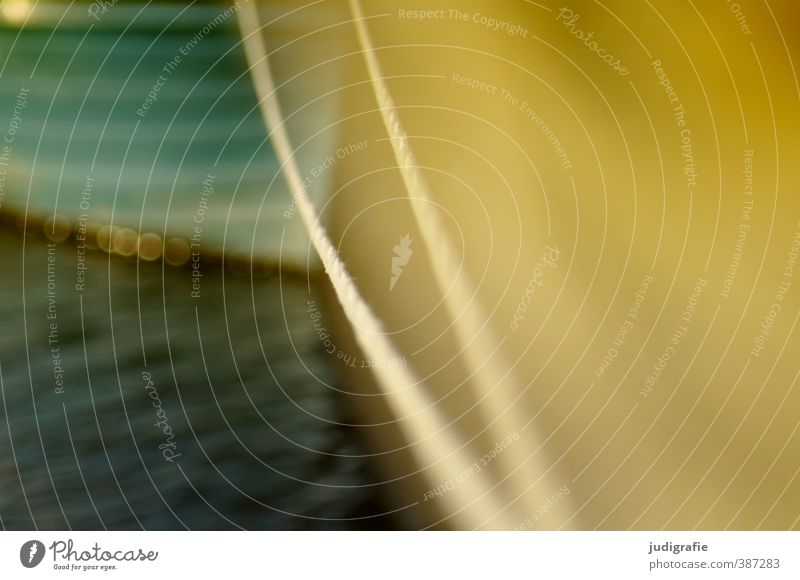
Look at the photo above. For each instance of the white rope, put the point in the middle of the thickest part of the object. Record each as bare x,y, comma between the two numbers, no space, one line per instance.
471,502
470,323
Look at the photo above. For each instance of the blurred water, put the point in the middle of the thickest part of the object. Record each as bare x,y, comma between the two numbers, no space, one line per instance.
256,432
141,107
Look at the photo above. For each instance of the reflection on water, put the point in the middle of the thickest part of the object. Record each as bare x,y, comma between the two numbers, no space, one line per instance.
131,404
